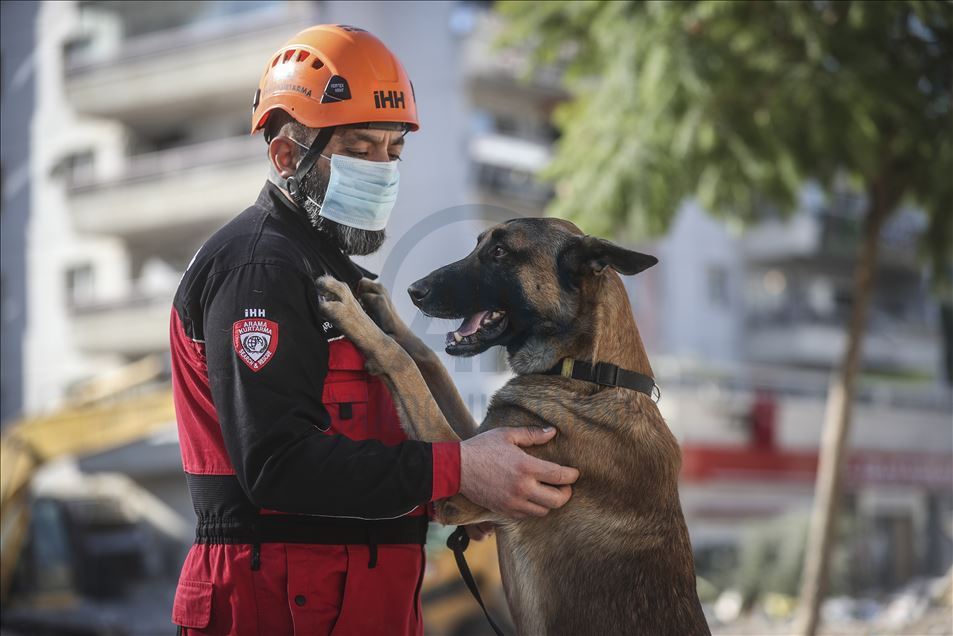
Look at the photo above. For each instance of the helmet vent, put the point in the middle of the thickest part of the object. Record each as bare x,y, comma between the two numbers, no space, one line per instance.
288,55
275,61
317,63
302,56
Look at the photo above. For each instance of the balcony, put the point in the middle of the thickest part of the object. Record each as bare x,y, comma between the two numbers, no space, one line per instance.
131,327
198,186
506,168
821,344
833,238
161,76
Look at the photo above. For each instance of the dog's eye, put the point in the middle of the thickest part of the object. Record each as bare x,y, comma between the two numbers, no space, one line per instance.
498,251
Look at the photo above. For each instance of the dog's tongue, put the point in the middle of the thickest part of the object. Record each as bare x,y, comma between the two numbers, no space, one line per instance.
472,324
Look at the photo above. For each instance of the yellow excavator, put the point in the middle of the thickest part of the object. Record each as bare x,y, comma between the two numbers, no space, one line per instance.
108,412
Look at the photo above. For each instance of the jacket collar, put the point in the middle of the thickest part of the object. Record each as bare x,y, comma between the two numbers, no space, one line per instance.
334,261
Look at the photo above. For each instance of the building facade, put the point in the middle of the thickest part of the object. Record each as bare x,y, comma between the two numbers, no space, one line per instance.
18,100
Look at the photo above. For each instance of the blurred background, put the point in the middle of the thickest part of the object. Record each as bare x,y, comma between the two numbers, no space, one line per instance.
125,145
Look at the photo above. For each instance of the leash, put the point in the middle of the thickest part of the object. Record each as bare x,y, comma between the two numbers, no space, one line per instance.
606,374
458,542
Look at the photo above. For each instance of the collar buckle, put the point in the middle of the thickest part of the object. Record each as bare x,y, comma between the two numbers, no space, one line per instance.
606,374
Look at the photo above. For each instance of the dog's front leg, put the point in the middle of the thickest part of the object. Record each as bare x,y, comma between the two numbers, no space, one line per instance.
418,412
378,305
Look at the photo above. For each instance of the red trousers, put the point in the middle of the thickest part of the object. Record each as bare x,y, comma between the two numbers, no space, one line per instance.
300,589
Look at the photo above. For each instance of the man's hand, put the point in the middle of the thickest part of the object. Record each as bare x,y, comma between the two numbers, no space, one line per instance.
496,474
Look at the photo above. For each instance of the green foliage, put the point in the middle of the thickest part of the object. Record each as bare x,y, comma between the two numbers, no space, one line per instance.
739,103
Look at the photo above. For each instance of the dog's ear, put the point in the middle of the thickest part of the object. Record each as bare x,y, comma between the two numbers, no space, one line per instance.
592,255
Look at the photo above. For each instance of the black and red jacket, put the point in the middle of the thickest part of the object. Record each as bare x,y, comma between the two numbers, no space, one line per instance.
280,427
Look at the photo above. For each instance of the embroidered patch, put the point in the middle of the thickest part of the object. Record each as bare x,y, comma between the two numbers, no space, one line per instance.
255,341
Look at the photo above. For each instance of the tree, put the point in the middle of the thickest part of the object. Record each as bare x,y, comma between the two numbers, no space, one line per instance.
738,104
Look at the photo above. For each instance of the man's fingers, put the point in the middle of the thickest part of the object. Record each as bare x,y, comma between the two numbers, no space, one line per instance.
531,435
550,473
550,496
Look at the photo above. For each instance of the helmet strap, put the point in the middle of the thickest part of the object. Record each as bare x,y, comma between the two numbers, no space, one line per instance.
307,162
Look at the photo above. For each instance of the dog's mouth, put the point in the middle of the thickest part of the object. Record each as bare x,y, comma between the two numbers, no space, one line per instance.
478,333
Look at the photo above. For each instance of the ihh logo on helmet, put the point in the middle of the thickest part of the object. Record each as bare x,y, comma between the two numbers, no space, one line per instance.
389,99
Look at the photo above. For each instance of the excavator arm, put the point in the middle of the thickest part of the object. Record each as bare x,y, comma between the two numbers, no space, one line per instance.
84,428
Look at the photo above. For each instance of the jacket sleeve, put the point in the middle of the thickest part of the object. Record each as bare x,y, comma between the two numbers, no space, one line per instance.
267,361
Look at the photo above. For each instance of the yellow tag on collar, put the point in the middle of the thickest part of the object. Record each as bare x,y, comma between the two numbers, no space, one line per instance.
567,367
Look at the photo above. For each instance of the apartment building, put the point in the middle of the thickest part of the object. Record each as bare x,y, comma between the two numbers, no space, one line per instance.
142,151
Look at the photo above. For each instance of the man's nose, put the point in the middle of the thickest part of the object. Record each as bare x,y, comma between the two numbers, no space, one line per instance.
418,291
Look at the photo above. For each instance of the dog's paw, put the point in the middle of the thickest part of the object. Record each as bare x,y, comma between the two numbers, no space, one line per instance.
335,300
368,286
446,513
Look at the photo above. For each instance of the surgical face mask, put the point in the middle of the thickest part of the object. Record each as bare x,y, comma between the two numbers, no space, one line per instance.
361,193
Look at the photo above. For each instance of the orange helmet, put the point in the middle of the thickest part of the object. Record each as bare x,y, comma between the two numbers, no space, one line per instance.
332,75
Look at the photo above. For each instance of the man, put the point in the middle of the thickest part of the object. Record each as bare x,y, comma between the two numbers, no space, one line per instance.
311,503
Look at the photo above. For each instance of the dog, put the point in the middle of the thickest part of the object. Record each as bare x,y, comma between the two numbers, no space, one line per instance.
616,559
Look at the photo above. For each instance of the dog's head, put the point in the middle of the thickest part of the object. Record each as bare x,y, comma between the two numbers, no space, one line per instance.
526,280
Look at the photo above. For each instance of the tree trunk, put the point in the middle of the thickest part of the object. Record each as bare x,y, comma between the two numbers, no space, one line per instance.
840,399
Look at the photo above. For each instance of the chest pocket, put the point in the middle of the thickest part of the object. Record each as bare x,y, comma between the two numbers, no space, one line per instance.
345,394
358,403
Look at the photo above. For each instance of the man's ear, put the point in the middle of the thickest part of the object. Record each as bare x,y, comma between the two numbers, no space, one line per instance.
592,255
283,154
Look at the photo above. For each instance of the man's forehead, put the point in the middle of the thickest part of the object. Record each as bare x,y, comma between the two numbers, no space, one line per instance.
373,135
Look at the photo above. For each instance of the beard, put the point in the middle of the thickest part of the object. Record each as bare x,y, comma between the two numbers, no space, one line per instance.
350,240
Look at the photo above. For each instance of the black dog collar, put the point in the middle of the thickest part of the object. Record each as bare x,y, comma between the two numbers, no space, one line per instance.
606,374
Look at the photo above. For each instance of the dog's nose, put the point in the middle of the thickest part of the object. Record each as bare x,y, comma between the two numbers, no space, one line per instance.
418,291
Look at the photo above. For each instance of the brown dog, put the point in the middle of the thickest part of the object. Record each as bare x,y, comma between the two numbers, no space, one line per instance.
616,559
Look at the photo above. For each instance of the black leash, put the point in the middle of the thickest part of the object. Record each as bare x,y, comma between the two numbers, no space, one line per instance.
458,542
606,374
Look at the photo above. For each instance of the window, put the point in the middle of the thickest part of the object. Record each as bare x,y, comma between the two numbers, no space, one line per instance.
79,285
74,167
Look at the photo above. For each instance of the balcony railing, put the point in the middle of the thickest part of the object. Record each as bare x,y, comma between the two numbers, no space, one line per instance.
821,344
200,185
220,152
194,33
132,326
154,79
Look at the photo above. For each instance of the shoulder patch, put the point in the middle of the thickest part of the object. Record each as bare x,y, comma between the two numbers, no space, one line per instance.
255,341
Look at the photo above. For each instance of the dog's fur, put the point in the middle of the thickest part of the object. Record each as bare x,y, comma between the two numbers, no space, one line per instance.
616,559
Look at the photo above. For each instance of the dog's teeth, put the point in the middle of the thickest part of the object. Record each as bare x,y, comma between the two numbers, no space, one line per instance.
457,337
496,314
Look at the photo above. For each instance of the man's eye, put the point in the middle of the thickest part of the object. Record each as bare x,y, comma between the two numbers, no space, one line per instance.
357,153
498,251
395,158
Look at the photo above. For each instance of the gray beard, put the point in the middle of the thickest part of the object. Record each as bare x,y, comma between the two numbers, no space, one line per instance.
350,240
